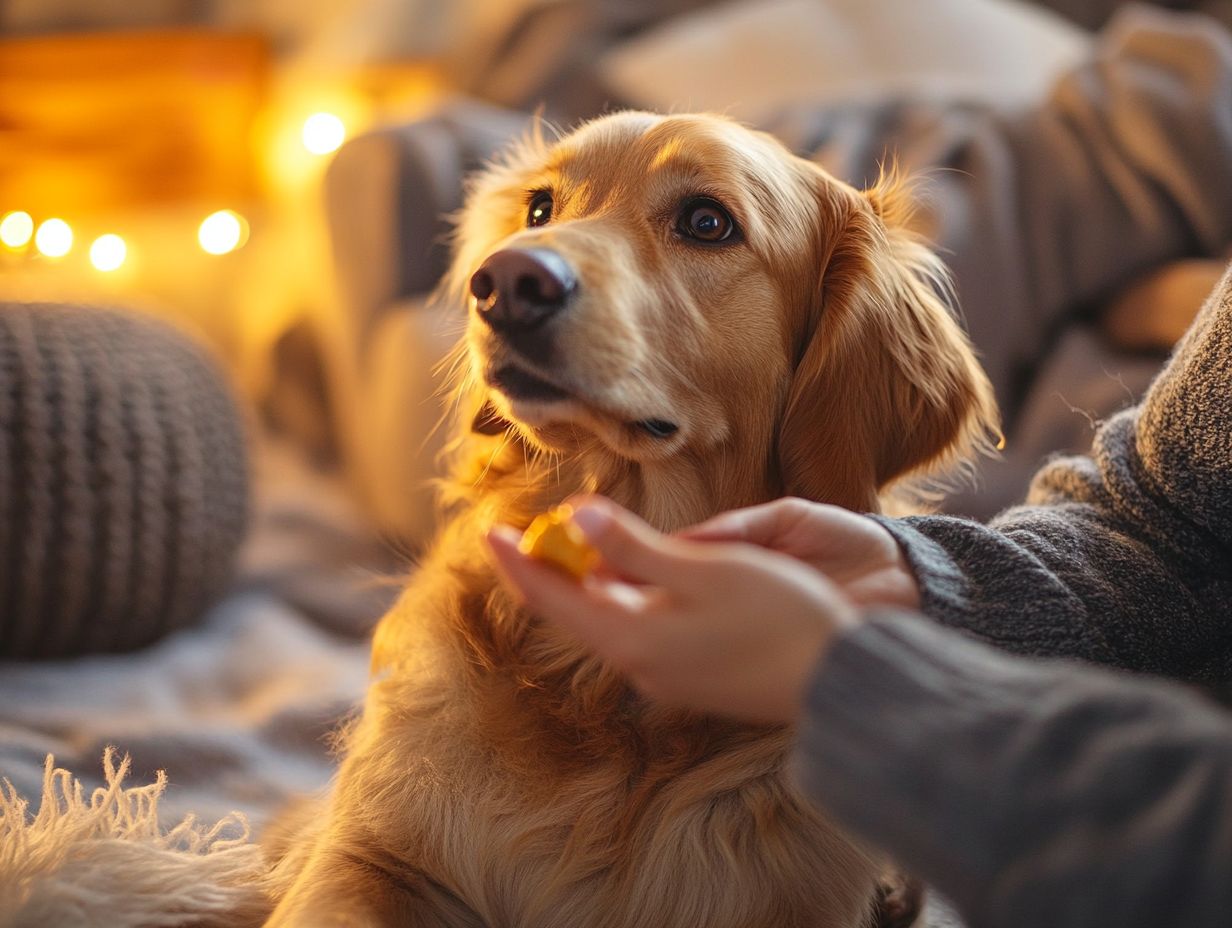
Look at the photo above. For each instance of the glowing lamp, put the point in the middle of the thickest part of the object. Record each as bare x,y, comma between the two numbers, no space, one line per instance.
222,232
323,133
16,229
54,238
108,252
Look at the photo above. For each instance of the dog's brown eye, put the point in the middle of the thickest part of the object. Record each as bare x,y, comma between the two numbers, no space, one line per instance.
540,211
705,220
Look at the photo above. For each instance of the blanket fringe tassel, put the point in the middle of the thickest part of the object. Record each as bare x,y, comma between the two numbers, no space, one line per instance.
104,860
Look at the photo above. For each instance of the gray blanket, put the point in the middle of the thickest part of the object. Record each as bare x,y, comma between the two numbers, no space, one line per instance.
237,709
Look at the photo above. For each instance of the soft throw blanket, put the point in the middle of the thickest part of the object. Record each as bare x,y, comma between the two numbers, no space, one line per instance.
230,716
224,723
103,859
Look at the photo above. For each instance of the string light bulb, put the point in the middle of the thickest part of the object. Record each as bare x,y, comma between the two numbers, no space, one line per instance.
222,232
16,229
323,133
54,238
108,252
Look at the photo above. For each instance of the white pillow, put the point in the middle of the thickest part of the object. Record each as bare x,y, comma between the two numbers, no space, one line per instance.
751,58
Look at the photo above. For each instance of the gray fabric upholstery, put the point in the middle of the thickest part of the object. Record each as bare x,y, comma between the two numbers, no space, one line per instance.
389,196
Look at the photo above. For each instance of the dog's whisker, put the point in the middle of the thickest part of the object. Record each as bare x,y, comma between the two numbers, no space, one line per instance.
506,437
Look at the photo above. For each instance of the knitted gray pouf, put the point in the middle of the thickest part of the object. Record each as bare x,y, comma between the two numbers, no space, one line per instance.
123,480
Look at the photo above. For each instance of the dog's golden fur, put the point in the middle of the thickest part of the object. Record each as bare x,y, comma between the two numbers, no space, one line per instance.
499,776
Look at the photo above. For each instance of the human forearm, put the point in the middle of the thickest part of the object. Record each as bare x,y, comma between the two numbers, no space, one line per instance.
1120,557
1031,793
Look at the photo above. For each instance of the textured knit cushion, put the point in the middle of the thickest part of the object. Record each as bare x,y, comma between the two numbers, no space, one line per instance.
123,481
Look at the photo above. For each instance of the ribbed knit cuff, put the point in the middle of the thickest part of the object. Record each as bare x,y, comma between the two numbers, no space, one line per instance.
945,592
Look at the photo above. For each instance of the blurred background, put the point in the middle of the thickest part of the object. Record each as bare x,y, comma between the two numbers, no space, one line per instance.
174,156
181,145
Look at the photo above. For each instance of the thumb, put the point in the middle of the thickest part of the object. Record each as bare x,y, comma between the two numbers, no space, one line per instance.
629,546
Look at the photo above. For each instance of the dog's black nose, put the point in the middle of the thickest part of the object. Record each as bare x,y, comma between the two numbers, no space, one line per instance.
519,289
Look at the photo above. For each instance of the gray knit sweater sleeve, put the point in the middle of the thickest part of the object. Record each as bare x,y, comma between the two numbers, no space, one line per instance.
1123,557
1031,793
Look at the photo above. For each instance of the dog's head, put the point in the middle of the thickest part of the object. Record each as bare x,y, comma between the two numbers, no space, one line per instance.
682,296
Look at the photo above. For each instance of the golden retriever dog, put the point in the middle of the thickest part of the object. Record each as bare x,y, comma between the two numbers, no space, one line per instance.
677,313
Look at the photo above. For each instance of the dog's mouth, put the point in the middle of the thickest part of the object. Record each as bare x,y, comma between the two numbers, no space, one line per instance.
521,386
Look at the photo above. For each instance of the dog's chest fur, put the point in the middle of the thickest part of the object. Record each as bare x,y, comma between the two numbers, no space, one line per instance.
528,783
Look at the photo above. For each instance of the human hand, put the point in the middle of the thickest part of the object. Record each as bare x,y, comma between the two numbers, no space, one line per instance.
852,550
726,628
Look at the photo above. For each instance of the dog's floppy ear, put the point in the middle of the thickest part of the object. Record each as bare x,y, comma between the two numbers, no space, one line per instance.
887,383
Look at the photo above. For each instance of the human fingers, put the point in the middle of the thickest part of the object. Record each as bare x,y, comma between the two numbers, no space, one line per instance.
597,612
632,549
760,525
719,650
823,536
851,549
746,647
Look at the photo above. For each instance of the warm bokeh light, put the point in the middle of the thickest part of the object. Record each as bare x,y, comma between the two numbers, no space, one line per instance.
108,252
16,229
222,232
323,133
54,238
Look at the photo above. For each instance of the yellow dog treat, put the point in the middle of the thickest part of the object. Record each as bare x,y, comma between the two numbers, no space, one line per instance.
554,539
